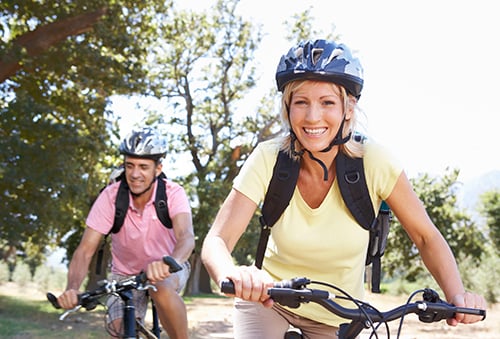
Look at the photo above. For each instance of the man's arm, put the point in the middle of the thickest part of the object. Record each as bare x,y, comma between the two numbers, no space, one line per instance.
184,234
79,266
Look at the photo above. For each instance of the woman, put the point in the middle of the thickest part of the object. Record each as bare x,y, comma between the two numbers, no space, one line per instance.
316,236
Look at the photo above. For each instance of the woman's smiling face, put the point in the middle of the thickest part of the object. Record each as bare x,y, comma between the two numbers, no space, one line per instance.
316,112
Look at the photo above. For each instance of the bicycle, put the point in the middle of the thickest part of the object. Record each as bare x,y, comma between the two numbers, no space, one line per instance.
293,293
132,327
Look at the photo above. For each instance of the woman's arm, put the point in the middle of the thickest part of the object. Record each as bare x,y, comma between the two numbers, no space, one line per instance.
433,248
232,220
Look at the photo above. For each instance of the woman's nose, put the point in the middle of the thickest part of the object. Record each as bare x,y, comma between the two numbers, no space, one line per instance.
313,112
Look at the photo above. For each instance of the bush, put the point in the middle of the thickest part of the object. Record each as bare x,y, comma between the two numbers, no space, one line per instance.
4,272
482,279
49,278
21,274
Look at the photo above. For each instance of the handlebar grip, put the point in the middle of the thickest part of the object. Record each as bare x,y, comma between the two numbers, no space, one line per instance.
53,300
473,311
174,266
227,286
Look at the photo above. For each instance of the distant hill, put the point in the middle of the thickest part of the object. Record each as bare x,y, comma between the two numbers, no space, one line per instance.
471,190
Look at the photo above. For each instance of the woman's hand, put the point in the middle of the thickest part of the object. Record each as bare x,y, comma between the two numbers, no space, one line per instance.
251,284
470,300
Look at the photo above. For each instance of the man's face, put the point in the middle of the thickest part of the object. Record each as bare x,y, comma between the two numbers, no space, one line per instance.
140,174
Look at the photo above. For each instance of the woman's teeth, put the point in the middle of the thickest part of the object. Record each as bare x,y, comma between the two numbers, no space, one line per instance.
315,131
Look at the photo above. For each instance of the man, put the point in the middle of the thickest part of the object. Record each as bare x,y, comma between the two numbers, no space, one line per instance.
142,240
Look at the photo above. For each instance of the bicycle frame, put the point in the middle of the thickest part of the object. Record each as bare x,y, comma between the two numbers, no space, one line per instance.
128,315
123,289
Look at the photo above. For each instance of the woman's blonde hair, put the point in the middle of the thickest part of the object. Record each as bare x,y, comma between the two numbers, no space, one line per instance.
352,147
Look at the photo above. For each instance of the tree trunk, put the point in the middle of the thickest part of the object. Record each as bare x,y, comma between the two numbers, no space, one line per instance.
199,280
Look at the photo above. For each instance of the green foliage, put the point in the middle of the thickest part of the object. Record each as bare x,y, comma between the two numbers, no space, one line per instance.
301,28
439,196
54,127
49,279
4,272
21,274
482,278
203,66
491,211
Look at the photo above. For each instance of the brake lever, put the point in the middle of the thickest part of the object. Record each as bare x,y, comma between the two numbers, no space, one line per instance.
68,312
147,287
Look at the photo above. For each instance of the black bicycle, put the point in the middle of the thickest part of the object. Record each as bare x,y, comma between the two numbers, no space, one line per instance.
294,292
132,327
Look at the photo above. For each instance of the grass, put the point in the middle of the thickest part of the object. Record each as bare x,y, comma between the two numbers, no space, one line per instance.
21,316
24,318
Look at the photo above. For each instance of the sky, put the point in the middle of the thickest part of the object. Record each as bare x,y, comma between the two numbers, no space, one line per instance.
431,70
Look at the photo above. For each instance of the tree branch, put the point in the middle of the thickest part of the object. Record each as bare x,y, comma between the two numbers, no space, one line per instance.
42,38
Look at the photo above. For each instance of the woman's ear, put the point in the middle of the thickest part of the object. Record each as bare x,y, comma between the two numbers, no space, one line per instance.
351,103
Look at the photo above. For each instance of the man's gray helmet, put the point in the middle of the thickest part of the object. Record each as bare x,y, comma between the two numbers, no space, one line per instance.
321,60
145,143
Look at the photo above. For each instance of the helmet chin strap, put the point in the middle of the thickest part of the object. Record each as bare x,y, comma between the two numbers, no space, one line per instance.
135,195
337,140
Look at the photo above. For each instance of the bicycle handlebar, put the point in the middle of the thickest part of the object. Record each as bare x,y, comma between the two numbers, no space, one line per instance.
89,299
293,293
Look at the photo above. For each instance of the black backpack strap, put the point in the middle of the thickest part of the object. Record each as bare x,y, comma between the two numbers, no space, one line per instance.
161,202
352,183
277,199
378,241
121,205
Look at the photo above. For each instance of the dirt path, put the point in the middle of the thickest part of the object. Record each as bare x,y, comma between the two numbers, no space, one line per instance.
210,318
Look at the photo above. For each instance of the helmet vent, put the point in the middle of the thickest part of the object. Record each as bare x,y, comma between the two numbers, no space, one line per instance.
316,54
138,141
335,53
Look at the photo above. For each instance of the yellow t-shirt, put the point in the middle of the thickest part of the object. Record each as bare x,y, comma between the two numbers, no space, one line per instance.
325,243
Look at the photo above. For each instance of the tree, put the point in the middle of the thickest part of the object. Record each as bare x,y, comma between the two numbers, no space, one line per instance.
204,67
439,197
491,211
58,67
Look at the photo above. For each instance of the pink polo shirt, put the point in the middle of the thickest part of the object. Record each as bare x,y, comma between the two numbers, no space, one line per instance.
142,238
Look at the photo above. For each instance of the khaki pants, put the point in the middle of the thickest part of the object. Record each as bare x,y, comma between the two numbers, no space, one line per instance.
252,320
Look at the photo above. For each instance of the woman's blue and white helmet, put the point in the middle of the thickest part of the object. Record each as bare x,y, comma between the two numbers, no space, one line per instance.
321,60
144,143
